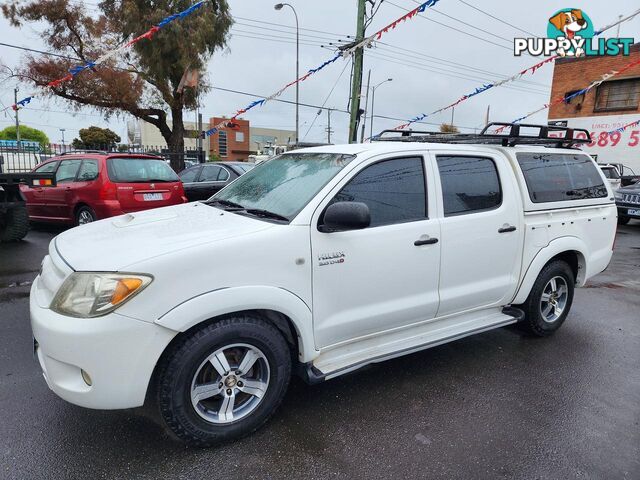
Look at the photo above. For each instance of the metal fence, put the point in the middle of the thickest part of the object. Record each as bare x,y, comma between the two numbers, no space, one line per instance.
24,156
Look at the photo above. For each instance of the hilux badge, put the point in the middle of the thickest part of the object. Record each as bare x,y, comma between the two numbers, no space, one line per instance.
330,258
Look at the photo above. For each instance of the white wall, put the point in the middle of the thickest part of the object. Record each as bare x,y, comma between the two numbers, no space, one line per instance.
624,148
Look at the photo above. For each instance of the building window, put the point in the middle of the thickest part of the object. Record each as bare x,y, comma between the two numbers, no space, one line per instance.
618,95
222,143
239,137
574,100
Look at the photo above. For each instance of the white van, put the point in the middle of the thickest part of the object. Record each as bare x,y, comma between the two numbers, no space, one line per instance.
346,255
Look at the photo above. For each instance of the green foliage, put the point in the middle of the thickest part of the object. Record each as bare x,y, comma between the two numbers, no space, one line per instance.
213,157
96,137
26,133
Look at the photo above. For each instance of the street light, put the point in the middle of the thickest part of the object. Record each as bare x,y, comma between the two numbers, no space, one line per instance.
373,99
279,6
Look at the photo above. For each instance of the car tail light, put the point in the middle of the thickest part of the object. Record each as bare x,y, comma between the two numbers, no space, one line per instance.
108,192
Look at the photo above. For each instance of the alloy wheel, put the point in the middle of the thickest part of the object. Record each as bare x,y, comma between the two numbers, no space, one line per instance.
230,383
554,299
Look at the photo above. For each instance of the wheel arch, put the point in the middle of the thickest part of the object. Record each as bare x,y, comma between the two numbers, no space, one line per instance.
285,310
569,249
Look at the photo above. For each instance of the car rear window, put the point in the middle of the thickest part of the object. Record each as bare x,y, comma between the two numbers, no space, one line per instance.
557,177
610,172
139,170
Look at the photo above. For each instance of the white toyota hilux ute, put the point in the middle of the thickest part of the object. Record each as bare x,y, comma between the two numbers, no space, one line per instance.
316,263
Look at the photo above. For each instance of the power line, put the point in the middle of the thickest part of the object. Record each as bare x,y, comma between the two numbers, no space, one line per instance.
418,66
501,20
433,9
478,73
257,95
327,99
292,27
453,28
447,63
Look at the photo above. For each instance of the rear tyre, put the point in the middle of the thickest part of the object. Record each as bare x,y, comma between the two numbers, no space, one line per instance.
550,299
622,220
15,224
223,381
85,215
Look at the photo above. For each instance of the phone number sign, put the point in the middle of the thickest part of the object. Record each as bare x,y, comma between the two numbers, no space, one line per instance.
619,147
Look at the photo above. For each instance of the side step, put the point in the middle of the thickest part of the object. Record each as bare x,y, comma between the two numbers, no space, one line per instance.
348,357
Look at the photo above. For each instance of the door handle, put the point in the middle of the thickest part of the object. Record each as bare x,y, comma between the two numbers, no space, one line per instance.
508,229
426,241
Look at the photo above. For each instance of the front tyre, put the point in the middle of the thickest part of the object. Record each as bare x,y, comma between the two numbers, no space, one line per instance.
223,381
622,220
549,302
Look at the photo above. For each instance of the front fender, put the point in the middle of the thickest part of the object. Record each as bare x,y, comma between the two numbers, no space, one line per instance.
229,300
555,247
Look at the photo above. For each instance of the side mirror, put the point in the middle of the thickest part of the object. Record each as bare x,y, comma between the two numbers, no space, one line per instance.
344,216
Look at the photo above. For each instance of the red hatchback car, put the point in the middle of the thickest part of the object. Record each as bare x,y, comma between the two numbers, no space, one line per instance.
92,186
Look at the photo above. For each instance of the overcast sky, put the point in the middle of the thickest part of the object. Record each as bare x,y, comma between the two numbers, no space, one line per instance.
431,65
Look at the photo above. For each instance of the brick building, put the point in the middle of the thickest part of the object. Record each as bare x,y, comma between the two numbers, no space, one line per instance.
230,144
614,103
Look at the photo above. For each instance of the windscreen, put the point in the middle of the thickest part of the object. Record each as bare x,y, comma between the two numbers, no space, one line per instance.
139,170
284,184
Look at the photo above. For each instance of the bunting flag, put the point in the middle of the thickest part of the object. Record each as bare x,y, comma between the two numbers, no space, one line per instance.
74,71
532,70
623,128
566,99
368,41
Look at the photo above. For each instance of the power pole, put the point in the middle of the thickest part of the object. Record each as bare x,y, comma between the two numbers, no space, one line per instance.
356,85
15,101
366,105
328,125
200,139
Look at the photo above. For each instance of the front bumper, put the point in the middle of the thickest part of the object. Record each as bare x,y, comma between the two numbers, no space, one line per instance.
118,353
623,210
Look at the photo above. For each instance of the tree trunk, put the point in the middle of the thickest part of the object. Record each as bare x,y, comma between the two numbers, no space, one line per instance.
175,141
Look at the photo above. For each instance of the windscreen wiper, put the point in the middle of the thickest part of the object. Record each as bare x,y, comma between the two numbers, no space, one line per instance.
265,214
225,203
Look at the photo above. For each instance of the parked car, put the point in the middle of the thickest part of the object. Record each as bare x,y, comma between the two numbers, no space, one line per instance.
627,175
613,175
202,181
628,203
92,186
351,254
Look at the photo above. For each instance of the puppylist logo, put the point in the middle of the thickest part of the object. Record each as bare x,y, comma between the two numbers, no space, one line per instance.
570,32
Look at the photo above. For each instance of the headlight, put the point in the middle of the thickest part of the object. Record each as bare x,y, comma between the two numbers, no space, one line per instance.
617,195
94,294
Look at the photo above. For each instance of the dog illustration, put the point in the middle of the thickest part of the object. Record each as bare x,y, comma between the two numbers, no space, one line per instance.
569,23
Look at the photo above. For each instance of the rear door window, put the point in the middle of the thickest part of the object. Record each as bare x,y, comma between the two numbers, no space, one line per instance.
88,171
213,173
139,170
469,184
67,171
47,167
557,177
189,175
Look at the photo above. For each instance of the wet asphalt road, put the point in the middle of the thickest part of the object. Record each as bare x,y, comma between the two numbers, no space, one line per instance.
496,405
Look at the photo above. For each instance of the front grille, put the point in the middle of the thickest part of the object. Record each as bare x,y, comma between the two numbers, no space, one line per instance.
631,198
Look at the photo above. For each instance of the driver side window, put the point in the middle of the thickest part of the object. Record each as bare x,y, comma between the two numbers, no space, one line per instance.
394,190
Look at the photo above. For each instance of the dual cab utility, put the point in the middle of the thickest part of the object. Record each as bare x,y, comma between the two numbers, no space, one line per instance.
351,254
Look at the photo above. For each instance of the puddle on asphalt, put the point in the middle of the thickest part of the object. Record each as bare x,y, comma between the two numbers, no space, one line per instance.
26,283
614,285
